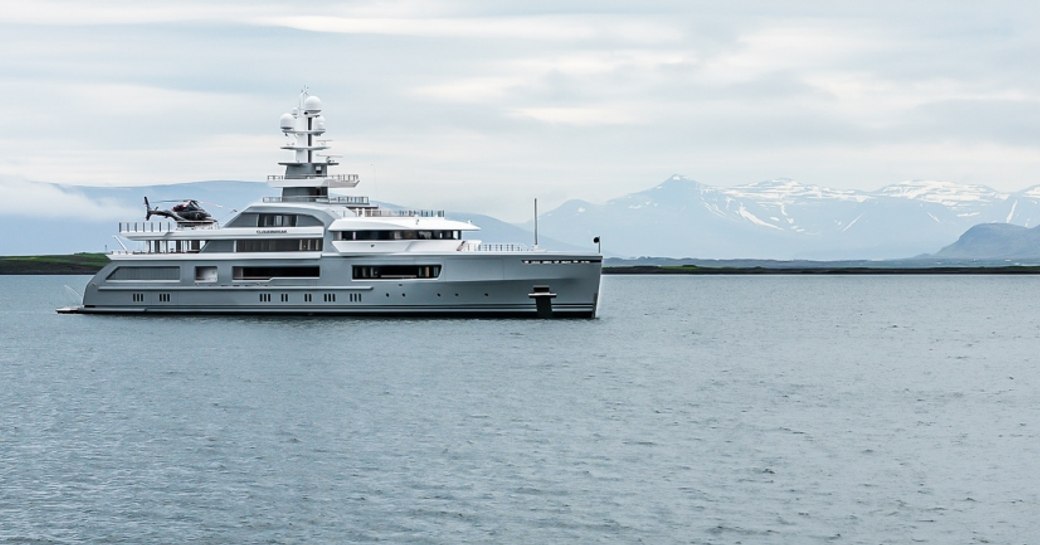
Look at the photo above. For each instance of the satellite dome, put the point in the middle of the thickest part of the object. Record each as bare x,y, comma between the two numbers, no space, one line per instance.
319,123
312,104
287,122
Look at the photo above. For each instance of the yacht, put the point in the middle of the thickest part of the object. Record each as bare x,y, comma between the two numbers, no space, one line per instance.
315,250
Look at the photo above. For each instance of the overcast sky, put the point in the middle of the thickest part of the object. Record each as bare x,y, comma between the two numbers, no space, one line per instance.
482,106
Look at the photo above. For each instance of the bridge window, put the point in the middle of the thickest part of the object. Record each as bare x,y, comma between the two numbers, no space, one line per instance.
276,220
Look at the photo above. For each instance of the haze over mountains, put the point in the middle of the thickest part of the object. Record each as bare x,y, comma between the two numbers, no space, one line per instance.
785,219
65,220
774,219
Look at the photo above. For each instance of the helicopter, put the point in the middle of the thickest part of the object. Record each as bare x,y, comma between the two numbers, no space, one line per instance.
186,211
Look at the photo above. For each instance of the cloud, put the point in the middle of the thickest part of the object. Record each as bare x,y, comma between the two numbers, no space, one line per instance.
115,12
792,46
512,79
493,103
35,199
565,28
580,116
1010,121
217,157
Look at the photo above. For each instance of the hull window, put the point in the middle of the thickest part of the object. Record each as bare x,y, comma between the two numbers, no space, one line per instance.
267,273
146,274
395,272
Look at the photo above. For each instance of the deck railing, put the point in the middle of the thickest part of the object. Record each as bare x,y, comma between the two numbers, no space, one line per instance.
150,252
338,180
349,201
471,247
385,213
163,226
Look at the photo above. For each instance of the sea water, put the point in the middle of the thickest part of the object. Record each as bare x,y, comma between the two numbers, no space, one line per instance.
730,409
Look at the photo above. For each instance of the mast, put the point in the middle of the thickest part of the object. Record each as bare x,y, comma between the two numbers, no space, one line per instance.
305,178
300,127
536,223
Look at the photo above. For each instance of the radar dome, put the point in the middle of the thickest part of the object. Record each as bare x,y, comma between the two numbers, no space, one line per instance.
287,122
319,123
312,104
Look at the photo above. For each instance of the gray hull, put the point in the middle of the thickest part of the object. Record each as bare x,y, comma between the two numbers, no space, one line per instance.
468,284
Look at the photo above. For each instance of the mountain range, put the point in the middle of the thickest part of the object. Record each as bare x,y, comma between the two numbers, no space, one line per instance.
774,219
785,219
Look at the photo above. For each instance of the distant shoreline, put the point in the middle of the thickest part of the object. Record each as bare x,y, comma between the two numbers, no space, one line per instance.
85,263
90,263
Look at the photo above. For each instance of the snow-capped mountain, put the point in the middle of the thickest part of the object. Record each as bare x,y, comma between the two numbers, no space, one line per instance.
786,219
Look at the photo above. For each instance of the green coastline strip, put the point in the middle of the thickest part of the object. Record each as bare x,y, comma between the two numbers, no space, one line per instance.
83,263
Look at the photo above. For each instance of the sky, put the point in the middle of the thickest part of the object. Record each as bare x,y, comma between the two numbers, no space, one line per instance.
483,106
